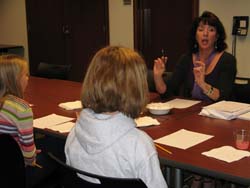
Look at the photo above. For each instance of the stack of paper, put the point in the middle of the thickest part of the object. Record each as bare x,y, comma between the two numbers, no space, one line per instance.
225,110
71,105
245,116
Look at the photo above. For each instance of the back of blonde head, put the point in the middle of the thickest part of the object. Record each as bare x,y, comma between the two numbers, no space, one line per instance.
11,67
116,81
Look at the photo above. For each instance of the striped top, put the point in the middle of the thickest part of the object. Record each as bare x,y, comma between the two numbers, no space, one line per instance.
16,118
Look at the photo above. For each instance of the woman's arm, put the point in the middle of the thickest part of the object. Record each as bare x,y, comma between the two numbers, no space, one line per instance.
24,122
221,88
226,80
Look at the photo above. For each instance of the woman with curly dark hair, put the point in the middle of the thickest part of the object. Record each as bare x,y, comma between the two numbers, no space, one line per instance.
207,71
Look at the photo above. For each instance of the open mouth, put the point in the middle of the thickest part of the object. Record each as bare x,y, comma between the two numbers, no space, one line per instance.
204,41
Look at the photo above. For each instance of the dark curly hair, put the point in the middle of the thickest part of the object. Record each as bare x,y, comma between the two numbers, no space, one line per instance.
212,20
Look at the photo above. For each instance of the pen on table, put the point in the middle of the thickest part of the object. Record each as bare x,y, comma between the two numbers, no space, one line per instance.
163,149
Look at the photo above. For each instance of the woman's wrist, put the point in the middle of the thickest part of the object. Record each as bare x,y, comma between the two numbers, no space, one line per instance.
159,84
209,91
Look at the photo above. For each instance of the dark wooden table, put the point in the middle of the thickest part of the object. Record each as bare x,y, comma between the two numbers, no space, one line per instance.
46,94
191,159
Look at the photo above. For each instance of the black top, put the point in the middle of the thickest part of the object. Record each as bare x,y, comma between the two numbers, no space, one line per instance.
222,77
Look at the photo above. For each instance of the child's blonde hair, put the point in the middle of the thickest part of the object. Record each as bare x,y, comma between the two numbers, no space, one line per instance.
11,69
116,81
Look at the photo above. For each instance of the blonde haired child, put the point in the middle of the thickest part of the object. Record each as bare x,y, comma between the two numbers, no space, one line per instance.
16,117
105,140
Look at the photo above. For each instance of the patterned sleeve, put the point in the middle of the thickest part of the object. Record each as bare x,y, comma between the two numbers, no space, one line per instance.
22,116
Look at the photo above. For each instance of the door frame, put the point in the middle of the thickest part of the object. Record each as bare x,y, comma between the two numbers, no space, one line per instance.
142,4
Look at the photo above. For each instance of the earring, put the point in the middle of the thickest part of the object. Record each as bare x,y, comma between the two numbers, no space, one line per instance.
195,45
215,45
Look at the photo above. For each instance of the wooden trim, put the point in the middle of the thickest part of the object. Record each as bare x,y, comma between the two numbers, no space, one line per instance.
135,7
195,9
139,4
107,21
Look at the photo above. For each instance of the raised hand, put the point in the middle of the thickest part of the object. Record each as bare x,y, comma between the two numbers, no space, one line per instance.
199,72
159,66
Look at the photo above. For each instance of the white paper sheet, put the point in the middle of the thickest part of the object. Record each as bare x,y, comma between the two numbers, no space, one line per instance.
50,120
183,139
146,121
182,103
64,127
227,153
71,105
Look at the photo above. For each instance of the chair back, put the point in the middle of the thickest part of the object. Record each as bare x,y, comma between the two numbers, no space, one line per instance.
12,167
241,92
150,78
71,179
53,71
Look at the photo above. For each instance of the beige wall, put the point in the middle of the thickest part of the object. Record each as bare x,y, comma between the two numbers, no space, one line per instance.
121,23
225,10
13,24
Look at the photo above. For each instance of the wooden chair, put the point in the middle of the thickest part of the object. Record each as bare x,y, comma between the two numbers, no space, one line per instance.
53,71
70,178
12,167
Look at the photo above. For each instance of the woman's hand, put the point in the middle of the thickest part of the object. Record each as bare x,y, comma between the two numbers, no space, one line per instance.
199,76
159,66
199,73
159,69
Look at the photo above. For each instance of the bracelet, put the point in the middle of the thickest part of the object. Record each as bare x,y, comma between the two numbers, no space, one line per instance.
210,91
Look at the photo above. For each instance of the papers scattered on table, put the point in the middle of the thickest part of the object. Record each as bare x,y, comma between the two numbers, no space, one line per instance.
50,120
71,105
227,153
225,110
183,139
146,121
182,103
64,127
